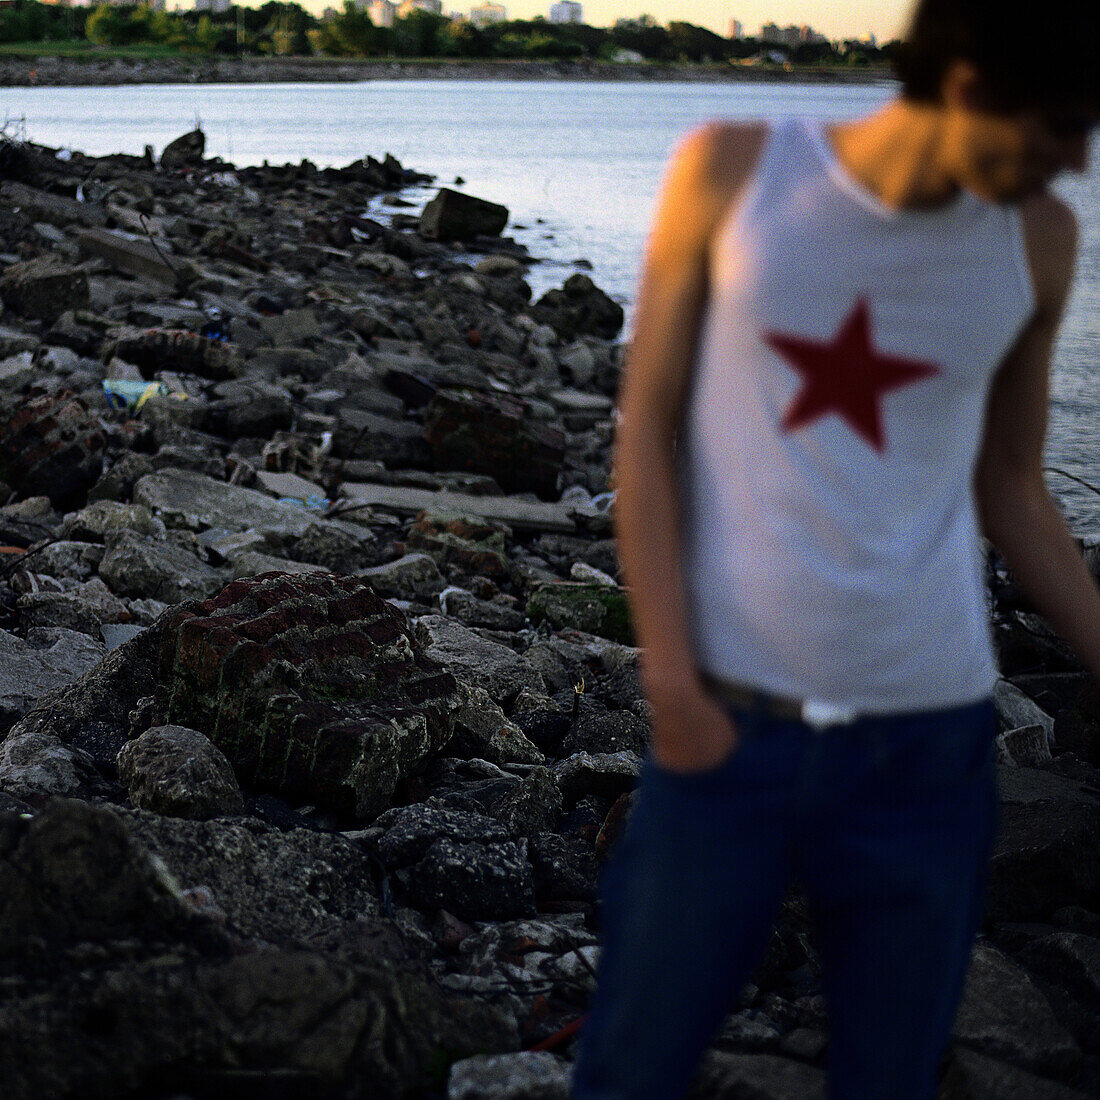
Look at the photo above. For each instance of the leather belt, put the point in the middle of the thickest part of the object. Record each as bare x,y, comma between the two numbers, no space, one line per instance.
815,713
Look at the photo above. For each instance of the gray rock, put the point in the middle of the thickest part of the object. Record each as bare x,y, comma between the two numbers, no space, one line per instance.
335,547
37,764
116,634
78,560
606,775
27,673
1069,960
607,732
534,806
104,517
17,371
498,670
757,1077
411,830
1015,709
565,868
974,1076
43,289
183,498
292,328
1045,855
473,881
178,772
118,482
282,362
578,364
14,342
186,151
135,565
277,886
83,609
523,515
249,563
133,256
525,1075
411,577
480,729
93,712
1004,1015
471,611
399,443
1025,745
452,215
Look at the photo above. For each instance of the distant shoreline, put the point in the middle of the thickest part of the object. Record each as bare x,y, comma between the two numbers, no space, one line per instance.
61,71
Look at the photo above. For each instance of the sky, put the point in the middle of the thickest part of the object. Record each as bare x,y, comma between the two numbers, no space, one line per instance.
848,19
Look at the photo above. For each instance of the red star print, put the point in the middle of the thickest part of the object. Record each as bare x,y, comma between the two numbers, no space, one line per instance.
846,376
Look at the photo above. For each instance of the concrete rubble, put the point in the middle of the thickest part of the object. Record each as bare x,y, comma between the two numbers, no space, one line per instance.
319,707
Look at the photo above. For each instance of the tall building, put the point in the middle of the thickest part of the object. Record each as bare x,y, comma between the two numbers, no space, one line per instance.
481,15
407,7
382,13
737,29
215,7
566,11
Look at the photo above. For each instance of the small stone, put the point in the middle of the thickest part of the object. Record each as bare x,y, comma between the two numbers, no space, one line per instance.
1025,745
525,1075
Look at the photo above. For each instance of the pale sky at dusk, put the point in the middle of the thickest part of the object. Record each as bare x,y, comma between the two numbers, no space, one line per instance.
848,19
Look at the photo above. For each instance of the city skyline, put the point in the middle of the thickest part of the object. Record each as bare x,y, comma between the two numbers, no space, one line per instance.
855,19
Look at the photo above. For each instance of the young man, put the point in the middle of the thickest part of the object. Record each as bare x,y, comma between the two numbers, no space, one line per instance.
838,373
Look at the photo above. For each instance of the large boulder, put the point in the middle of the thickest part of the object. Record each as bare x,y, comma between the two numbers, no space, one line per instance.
451,215
312,685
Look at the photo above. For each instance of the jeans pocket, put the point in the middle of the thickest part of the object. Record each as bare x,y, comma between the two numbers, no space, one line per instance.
940,751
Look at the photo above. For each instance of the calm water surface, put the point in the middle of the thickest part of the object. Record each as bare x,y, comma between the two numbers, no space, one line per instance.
578,165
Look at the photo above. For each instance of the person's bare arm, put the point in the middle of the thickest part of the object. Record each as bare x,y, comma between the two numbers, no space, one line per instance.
1017,513
690,731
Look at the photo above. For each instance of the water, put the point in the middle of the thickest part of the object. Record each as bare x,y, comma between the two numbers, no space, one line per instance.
577,163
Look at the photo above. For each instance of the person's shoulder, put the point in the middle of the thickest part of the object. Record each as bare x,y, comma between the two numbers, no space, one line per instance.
1049,222
722,154
1050,236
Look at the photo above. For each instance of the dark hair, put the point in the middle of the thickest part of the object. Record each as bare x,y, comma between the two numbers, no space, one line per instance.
1027,55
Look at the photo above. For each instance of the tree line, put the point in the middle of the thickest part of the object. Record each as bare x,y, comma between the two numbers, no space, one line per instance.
288,29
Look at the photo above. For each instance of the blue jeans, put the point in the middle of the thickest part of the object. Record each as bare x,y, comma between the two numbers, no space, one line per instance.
887,824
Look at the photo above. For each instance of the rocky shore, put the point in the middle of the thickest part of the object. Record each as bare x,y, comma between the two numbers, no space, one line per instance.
202,69
318,701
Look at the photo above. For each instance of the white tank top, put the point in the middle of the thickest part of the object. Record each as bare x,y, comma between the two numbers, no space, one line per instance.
837,407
